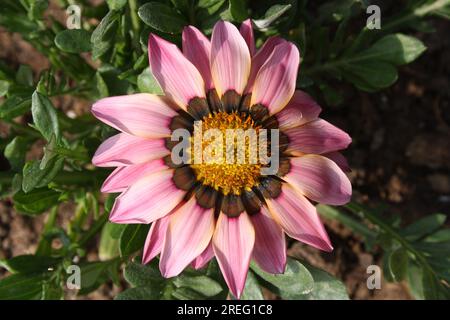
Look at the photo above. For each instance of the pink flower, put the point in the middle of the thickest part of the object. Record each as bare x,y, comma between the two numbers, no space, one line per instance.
229,211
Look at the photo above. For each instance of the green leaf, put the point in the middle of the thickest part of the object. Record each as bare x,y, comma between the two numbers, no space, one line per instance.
186,294
22,287
252,290
203,285
15,152
14,106
398,264
4,86
295,282
139,293
430,286
162,17
35,177
326,287
397,49
116,4
101,85
370,75
423,226
44,116
37,8
147,83
108,246
24,75
106,29
102,38
93,274
272,14
414,277
36,201
29,263
52,291
238,10
73,40
138,274
439,236
132,238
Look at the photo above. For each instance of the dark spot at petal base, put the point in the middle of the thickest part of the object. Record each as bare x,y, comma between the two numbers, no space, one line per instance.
206,196
232,205
198,108
184,178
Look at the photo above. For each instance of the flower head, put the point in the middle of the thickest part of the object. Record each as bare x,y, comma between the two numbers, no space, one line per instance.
229,210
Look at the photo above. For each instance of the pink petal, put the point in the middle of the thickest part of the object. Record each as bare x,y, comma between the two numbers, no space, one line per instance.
197,48
319,179
190,231
277,78
233,245
155,239
178,77
144,115
147,200
260,58
230,58
299,110
299,218
339,159
246,31
204,257
123,149
270,245
317,136
122,177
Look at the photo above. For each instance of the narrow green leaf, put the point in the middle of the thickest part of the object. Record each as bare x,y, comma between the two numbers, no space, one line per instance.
423,226
414,277
21,287
108,247
29,263
398,264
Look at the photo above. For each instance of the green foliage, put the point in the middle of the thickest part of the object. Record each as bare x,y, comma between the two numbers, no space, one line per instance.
110,58
417,253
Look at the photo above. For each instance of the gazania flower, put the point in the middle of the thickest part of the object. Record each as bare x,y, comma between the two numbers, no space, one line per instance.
229,211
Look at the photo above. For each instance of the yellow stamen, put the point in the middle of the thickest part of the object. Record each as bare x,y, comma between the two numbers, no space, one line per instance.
228,177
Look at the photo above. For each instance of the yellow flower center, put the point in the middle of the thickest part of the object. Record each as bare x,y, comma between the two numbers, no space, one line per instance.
219,170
